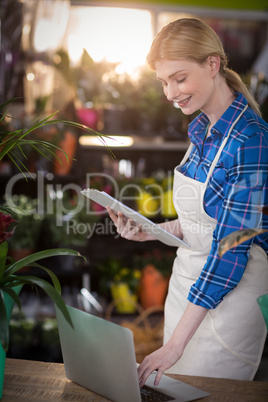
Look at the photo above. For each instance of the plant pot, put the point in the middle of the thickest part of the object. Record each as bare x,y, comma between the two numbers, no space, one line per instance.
148,205
167,209
68,144
9,307
125,300
153,287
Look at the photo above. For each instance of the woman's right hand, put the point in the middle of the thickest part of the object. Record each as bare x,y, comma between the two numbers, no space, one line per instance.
128,228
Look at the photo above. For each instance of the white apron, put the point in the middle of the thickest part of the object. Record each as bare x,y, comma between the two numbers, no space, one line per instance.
230,340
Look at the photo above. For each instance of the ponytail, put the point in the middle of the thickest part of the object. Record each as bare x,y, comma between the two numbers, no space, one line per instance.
235,83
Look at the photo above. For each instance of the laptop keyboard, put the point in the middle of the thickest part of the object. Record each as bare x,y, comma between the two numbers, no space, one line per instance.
151,395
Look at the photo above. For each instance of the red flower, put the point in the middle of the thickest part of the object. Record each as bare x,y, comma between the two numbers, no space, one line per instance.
5,221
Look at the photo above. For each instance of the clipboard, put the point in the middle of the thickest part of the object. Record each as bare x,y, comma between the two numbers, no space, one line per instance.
105,200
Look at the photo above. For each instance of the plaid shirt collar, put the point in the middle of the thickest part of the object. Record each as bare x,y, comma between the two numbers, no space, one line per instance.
197,128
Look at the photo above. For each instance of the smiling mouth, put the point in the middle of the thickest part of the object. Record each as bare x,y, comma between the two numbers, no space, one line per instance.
183,102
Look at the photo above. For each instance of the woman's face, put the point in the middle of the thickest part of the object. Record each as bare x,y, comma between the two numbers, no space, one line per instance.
189,84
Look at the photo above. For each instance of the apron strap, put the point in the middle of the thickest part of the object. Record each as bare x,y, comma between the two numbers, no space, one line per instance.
187,154
189,150
215,161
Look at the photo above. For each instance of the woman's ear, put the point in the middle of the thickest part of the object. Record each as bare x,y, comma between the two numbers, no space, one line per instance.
214,64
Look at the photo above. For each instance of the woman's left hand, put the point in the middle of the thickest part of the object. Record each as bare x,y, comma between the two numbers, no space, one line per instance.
159,361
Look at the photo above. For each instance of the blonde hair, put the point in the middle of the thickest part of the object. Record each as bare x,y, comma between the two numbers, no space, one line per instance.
190,38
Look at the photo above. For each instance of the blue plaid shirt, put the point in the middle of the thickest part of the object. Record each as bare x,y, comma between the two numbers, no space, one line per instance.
235,192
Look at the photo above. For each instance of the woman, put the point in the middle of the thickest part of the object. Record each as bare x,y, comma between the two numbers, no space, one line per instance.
213,326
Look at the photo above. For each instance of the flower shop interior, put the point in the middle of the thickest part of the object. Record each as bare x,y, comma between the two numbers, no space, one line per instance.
84,61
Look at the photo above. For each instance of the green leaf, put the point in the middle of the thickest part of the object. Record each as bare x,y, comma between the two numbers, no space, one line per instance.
7,209
13,281
17,138
3,257
19,161
38,256
53,277
13,294
7,102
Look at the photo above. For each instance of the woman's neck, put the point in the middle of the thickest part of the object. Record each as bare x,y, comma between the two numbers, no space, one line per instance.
222,99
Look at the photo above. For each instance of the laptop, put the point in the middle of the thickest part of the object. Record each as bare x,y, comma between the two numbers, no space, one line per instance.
99,355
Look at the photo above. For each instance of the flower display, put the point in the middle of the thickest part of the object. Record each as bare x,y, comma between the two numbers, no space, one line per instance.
5,221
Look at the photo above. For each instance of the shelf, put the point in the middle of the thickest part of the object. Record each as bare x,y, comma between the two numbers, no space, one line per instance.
156,143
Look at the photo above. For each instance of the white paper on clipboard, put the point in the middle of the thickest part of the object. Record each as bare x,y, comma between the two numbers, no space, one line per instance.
160,234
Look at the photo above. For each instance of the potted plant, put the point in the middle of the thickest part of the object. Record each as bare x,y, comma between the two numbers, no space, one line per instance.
167,207
11,281
124,289
148,199
154,195
156,268
121,283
